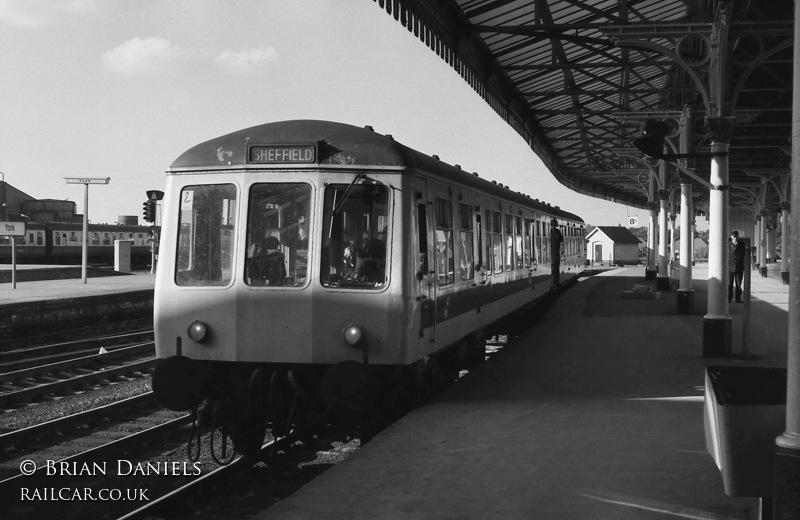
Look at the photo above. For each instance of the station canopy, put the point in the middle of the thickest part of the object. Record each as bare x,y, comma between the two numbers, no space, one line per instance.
578,80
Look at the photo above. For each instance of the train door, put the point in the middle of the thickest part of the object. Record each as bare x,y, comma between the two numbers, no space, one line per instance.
425,276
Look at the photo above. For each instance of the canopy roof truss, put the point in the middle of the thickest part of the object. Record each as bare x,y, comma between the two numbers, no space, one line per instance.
578,79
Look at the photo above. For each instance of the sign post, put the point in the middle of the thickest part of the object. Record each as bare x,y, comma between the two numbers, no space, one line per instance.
13,230
86,181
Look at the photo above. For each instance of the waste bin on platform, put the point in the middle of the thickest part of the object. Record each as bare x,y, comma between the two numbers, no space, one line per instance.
745,409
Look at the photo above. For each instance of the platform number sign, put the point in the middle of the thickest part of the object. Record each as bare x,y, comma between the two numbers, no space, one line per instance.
632,221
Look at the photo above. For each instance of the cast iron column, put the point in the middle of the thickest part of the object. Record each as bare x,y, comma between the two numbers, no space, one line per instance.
662,281
762,243
685,291
785,205
717,321
787,461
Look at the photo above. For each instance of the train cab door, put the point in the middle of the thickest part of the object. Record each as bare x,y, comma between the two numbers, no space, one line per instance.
425,294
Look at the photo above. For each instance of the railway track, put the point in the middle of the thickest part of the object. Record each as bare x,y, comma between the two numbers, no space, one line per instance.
30,373
78,451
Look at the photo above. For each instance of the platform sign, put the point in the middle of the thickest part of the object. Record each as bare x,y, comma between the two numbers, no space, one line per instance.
87,180
12,229
632,221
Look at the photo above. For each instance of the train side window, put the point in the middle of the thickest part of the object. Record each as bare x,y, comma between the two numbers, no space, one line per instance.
206,227
355,235
488,255
445,261
422,236
479,236
526,242
509,251
497,241
277,234
466,243
518,248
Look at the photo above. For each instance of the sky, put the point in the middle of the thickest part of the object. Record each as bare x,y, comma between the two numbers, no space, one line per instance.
119,89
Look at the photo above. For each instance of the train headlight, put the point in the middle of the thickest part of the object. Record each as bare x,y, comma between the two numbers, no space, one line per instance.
197,331
352,334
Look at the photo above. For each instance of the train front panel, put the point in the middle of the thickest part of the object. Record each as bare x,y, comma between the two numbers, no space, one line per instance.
282,267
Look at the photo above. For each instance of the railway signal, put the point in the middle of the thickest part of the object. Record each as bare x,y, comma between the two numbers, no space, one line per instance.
149,211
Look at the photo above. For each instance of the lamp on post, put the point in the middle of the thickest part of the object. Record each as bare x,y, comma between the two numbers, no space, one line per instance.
86,181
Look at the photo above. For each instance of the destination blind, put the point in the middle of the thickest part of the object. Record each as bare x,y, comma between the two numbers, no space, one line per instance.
283,154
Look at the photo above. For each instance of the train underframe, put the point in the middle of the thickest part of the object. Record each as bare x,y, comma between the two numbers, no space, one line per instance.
238,402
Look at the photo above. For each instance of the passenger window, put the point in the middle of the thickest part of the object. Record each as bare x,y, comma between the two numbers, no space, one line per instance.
488,254
206,226
518,241
509,252
445,263
277,235
526,240
465,244
422,236
355,233
497,242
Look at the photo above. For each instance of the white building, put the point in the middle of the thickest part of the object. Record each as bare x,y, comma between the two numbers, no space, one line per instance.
612,245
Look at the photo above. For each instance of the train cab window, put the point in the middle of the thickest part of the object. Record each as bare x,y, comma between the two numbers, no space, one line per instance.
277,235
206,225
445,261
466,256
355,234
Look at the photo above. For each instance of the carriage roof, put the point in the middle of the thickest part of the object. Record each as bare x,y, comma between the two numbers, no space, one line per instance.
344,145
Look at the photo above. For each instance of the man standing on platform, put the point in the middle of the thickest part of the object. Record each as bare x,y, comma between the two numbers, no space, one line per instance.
735,267
556,239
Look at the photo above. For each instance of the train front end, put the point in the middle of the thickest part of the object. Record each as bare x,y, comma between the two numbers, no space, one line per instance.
274,285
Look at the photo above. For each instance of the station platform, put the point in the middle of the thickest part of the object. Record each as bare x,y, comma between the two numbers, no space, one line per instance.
36,307
595,412
27,291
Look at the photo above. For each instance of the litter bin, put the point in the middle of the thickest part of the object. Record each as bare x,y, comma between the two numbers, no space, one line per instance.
745,409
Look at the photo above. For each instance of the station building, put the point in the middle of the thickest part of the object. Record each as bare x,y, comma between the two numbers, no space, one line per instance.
612,244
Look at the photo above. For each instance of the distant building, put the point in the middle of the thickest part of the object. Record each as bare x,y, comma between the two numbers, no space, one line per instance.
19,206
51,210
612,244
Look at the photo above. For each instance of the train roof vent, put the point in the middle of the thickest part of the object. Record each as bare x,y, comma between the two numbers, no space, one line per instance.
389,136
457,166
435,157
494,182
475,174
369,127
